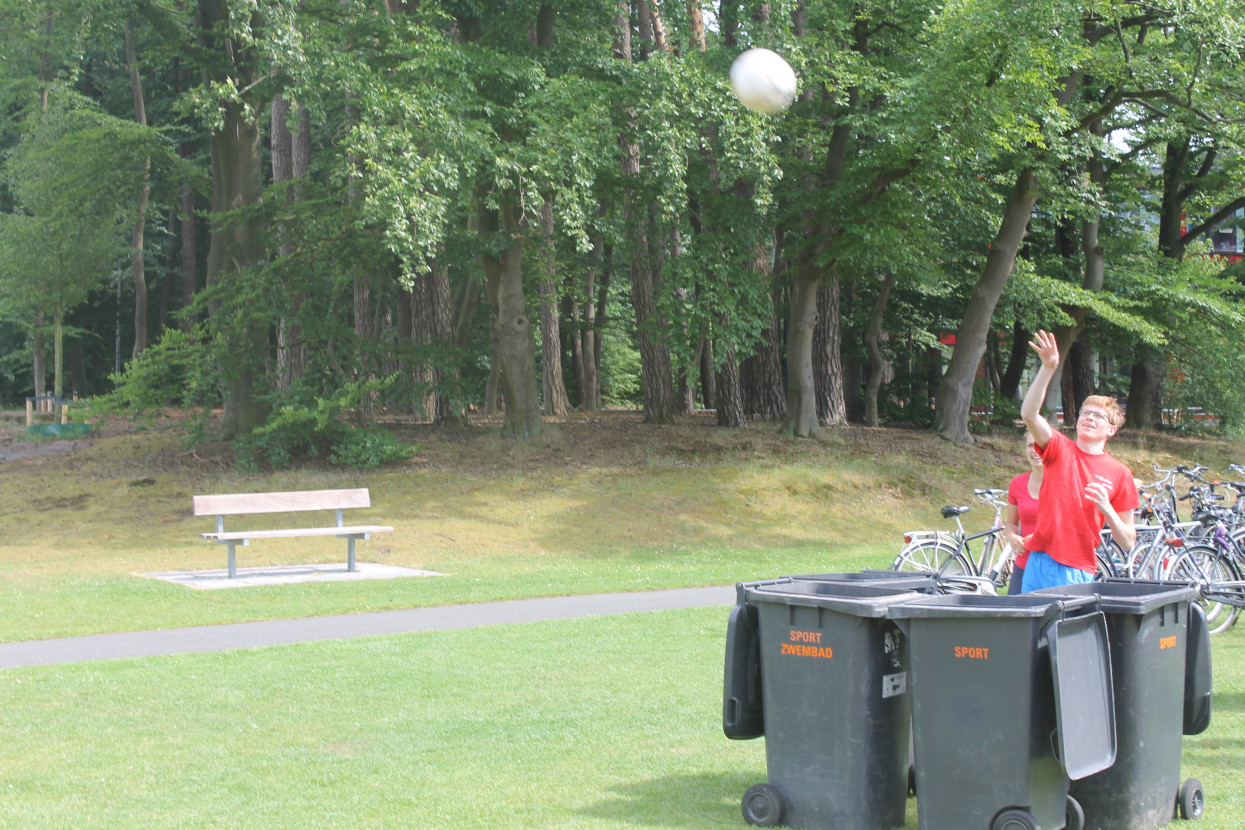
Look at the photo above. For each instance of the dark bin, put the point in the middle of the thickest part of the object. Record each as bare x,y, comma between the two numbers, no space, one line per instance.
742,711
1149,627
833,678
1011,697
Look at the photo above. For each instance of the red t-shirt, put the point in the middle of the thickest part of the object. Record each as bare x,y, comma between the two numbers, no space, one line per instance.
1068,524
1026,509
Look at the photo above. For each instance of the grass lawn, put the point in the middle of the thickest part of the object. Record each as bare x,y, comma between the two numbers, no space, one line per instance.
607,722
599,722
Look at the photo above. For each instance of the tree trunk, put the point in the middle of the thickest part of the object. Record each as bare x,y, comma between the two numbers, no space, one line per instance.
237,184
656,376
1145,390
58,354
77,370
1080,373
851,347
873,348
189,257
828,356
512,330
140,213
291,155
1009,383
761,378
696,24
708,375
802,419
688,379
408,336
589,376
236,244
437,296
730,405
552,382
955,393
39,357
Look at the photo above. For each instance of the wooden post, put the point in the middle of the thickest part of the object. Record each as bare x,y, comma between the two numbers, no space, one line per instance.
30,412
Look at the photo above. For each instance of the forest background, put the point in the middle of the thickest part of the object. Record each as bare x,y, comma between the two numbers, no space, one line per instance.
294,211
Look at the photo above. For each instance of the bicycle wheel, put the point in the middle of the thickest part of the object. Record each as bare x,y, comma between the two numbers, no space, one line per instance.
1106,567
957,564
1155,561
925,555
1112,559
1205,567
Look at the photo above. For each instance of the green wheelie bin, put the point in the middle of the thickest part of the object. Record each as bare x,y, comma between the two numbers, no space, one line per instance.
1011,698
1150,625
832,700
743,715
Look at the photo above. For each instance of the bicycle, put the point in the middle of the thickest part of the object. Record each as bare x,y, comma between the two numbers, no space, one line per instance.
950,553
1160,543
1212,566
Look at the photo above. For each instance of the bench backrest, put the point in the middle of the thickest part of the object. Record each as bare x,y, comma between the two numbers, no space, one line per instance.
236,504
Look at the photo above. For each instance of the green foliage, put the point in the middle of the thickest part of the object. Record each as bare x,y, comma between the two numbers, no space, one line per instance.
178,370
325,429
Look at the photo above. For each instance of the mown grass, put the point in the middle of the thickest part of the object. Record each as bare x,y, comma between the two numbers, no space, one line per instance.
605,722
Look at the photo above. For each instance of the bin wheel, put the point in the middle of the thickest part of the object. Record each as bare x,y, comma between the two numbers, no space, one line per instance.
1192,800
1075,816
1014,820
763,805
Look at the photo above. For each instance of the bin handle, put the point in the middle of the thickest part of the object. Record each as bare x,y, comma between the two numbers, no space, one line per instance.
1054,748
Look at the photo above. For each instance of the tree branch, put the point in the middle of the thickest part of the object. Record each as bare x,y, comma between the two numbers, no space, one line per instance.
1213,221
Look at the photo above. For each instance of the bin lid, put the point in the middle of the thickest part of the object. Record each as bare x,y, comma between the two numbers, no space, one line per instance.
1126,596
910,580
860,599
987,605
1080,662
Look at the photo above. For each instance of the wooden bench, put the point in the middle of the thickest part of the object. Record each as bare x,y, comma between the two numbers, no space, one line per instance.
294,501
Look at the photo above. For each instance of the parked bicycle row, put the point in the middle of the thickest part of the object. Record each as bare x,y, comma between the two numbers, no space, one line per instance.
1190,529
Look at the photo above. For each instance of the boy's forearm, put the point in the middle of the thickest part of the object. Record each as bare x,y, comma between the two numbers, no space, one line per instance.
1122,527
1031,406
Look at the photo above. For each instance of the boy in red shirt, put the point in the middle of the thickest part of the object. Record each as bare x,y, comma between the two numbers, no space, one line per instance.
1083,487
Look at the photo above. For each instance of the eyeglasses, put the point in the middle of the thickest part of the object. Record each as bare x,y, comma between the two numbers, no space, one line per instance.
1095,415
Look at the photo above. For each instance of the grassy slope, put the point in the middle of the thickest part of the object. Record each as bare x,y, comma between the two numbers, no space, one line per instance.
597,505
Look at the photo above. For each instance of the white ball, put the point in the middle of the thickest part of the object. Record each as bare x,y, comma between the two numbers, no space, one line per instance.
763,81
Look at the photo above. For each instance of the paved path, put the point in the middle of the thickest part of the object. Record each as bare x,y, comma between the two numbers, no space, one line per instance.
282,632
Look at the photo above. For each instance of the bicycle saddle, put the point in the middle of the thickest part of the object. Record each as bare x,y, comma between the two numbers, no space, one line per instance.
948,512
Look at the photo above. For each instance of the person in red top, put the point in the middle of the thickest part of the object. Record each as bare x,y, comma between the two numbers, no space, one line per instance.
1083,487
1021,517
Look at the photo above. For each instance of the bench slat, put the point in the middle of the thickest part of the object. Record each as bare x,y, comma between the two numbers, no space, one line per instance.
236,504
239,535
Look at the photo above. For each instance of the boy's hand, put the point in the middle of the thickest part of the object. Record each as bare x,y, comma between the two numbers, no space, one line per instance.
1046,347
1100,495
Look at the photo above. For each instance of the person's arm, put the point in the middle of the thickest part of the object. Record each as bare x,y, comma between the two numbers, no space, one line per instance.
1031,408
1011,529
1121,524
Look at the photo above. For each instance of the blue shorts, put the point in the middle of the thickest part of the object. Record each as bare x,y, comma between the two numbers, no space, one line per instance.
1041,571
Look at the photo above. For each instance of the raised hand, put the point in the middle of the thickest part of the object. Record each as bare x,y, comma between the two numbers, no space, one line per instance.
1046,347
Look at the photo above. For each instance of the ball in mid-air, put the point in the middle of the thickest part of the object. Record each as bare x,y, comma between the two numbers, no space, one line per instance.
763,81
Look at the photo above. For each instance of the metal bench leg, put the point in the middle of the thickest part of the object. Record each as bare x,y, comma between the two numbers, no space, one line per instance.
350,553
233,571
